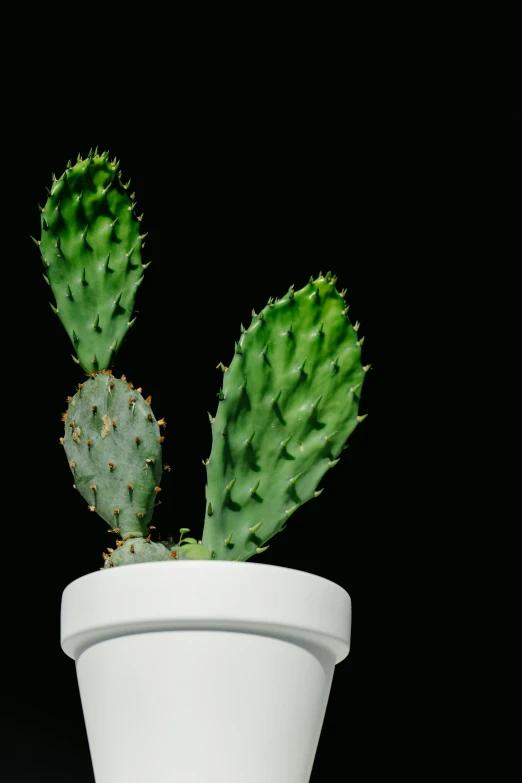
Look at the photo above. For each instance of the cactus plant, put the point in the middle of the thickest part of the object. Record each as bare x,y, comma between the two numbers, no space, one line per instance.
287,405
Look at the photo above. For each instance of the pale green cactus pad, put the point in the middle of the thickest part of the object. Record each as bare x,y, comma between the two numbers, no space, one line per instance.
113,444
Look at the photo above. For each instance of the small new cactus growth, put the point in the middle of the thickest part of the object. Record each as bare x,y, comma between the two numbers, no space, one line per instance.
288,402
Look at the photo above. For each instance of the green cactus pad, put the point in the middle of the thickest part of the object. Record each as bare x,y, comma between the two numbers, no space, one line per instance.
288,403
91,246
112,443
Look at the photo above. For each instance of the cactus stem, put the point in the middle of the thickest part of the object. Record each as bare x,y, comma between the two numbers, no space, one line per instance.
253,530
229,486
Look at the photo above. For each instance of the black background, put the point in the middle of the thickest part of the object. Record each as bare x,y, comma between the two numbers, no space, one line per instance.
236,212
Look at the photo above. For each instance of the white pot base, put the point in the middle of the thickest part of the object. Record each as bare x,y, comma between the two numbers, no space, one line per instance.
254,706
203,672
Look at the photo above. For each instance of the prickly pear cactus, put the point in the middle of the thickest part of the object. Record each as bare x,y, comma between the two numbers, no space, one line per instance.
91,246
113,444
288,403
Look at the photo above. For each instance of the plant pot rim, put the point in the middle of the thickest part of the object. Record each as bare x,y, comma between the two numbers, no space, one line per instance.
207,595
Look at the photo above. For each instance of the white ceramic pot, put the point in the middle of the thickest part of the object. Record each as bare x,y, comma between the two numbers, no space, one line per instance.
204,672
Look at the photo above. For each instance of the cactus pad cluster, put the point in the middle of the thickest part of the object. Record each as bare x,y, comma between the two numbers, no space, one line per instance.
288,402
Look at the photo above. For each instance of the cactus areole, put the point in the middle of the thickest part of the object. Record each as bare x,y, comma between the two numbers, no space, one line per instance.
288,402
